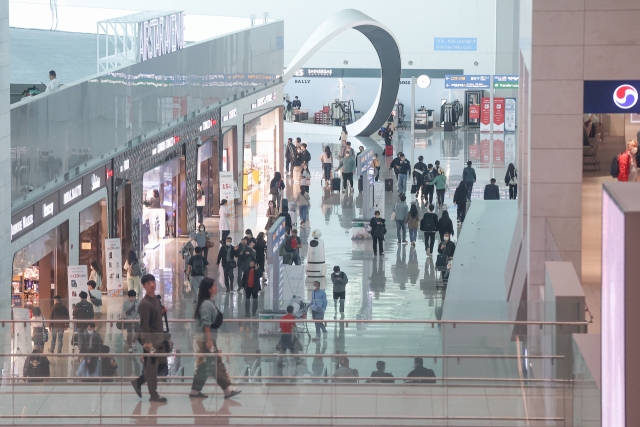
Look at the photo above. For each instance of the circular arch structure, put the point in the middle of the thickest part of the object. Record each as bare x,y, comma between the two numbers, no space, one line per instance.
388,52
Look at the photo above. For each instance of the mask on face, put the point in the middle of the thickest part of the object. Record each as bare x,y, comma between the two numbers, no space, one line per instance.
446,238
89,332
634,150
228,243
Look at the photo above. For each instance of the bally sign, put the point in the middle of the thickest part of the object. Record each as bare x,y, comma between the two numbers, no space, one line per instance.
160,36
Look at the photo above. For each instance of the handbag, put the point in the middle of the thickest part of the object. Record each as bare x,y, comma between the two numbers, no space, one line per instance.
441,261
219,318
393,216
209,244
167,344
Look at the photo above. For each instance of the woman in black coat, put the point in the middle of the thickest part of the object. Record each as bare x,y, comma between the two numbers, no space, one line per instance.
460,200
260,248
445,225
287,218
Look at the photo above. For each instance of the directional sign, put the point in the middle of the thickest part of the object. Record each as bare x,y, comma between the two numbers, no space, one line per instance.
467,81
506,81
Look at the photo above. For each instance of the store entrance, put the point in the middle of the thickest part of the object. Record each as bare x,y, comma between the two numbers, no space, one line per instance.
123,221
208,160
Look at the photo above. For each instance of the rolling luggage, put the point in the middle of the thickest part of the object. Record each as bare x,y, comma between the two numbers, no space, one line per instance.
388,150
388,184
335,183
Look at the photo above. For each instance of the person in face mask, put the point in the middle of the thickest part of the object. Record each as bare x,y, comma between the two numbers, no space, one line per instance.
627,163
447,247
226,256
92,342
202,237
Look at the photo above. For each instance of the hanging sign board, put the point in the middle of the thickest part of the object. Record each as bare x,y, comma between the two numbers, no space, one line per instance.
113,275
510,114
77,278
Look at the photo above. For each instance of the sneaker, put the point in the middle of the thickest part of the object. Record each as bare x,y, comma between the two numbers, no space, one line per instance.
131,350
315,339
381,253
413,243
404,242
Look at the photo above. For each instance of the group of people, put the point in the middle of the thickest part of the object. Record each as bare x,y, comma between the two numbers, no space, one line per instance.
344,373
425,178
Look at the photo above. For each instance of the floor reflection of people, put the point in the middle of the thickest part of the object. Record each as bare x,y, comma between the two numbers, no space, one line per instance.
348,211
152,415
317,365
428,284
378,278
399,271
202,417
339,341
413,268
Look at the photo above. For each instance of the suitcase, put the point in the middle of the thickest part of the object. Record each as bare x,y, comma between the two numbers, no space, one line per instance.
414,189
360,184
388,150
388,184
335,184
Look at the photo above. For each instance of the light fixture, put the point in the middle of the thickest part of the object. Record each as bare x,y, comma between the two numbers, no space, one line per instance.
475,63
345,62
410,62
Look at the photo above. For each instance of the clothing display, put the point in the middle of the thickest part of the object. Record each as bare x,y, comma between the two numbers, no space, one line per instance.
451,112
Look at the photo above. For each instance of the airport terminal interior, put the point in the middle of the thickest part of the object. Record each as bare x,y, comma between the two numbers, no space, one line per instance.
420,213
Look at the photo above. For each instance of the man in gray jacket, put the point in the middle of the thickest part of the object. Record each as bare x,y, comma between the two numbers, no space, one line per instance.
402,213
340,280
469,177
348,165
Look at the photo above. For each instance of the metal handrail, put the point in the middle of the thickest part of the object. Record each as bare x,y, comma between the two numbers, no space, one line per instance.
243,374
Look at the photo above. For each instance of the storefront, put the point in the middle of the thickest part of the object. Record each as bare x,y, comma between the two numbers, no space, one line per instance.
208,161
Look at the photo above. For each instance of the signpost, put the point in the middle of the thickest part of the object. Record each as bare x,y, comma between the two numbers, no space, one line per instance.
481,81
468,44
113,254
506,81
275,238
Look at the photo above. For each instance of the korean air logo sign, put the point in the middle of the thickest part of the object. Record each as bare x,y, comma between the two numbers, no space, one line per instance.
625,96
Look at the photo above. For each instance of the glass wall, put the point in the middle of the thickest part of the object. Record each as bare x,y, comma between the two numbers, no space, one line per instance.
54,133
93,231
208,160
261,149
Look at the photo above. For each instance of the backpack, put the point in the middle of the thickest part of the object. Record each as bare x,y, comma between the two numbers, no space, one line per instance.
273,190
197,267
291,244
428,223
135,269
615,167
380,231
429,176
83,312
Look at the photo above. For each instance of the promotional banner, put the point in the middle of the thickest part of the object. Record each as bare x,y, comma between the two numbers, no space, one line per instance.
510,114
509,148
485,115
113,268
498,153
498,114
485,152
226,186
474,153
77,278
474,111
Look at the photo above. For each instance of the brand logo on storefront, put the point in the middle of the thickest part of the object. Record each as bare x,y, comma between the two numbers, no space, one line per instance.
125,165
161,36
25,222
72,194
230,115
264,100
165,144
625,96
208,124
95,182
47,209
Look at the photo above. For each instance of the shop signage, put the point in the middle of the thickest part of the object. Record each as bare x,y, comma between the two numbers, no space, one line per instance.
263,100
21,223
208,124
467,81
46,208
230,115
455,44
77,279
160,36
71,194
124,166
94,181
506,81
611,96
164,145
510,114
113,268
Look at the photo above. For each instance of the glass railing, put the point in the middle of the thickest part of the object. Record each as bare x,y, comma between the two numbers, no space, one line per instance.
470,371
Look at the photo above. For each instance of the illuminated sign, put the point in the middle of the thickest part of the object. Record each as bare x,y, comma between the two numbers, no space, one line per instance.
164,145
319,72
263,101
230,115
21,224
208,124
72,194
47,209
125,165
160,36
95,182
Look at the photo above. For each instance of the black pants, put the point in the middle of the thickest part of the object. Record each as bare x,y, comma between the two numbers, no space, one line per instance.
378,241
347,177
428,193
469,185
288,163
243,270
462,211
228,277
340,296
225,234
251,293
513,192
429,240
440,194
200,210
327,171
377,173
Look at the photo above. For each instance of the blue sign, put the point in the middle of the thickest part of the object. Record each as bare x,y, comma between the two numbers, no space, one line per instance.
275,238
365,160
467,82
611,96
455,44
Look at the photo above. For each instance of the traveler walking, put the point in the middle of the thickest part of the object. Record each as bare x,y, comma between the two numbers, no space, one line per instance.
469,177
318,306
375,163
344,135
286,250
339,280
95,296
82,311
428,184
413,223
429,225
294,243
226,256
440,183
437,167
287,338
272,215
196,271
492,191
395,162
403,168
245,254
58,312
387,135
252,287
203,239
303,201
261,250
418,176
96,276
627,163
209,361
327,163
130,312
378,230
287,218
290,155
447,247
347,149
134,272
400,214
38,336
305,177
223,225
153,340
445,225
200,201
460,199
348,166
511,179
276,187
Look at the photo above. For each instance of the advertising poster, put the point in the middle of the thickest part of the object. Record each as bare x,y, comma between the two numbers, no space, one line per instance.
485,152
498,114
113,253
510,114
77,277
509,148
474,153
485,115
498,153
226,186
474,111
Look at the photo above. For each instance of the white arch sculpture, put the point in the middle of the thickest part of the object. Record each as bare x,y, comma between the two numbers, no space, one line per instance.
388,52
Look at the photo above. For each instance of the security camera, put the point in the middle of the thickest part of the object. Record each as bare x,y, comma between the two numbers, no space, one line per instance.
199,142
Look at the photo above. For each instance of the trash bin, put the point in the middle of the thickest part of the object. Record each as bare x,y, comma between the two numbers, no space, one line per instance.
359,229
265,328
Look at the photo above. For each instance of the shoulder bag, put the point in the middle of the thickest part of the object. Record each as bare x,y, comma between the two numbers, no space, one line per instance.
219,318
45,332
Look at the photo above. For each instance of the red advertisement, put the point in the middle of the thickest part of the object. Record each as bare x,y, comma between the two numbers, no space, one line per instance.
498,114
498,153
474,153
485,115
474,111
485,153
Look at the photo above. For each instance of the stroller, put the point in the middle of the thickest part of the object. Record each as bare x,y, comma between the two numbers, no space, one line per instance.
300,309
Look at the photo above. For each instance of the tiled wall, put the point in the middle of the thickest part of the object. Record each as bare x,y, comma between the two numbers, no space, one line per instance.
571,41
